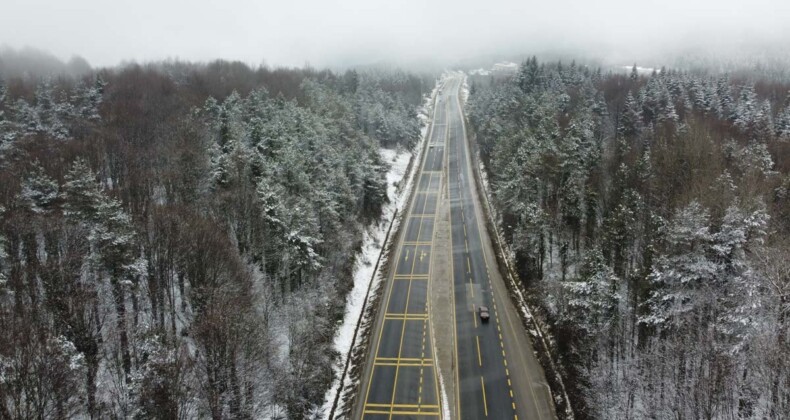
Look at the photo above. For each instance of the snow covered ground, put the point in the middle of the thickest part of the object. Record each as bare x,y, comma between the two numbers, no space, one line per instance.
399,185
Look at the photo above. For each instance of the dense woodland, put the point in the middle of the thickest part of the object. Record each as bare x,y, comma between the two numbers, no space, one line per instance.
649,216
176,240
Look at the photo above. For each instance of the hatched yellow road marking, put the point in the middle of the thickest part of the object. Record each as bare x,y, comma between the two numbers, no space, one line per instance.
422,362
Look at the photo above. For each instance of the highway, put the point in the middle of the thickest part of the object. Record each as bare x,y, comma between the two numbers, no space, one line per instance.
493,370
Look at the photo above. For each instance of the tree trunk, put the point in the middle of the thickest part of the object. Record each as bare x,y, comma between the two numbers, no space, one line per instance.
120,309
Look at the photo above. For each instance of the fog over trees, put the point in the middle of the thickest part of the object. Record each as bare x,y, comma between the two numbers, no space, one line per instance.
649,219
32,63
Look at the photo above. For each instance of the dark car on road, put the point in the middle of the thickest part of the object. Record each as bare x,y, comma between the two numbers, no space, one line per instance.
483,312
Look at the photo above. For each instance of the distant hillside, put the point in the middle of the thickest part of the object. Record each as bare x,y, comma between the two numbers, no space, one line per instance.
33,63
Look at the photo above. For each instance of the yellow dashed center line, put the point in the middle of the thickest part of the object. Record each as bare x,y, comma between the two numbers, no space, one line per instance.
479,357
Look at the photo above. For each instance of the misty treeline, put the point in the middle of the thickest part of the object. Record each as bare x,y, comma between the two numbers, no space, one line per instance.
649,217
177,240
31,63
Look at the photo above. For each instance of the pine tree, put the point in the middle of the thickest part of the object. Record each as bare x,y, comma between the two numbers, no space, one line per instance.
741,231
746,111
112,240
49,112
39,191
3,257
651,97
529,75
26,119
726,102
631,119
87,99
667,113
81,192
763,126
7,129
783,125
681,276
593,297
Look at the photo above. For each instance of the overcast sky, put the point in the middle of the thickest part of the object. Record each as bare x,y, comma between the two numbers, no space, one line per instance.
338,32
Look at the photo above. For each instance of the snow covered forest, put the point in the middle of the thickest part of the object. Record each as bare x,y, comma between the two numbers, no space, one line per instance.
649,218
177,240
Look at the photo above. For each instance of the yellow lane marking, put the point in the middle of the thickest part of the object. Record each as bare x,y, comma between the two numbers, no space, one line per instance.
479,358
403,413
422,354
485,403
410,364
405,317
426,406
427,326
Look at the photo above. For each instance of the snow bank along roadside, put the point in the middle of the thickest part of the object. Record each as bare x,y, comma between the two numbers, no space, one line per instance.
368,266
504,257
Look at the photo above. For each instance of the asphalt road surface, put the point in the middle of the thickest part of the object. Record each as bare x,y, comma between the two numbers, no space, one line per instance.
494,371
